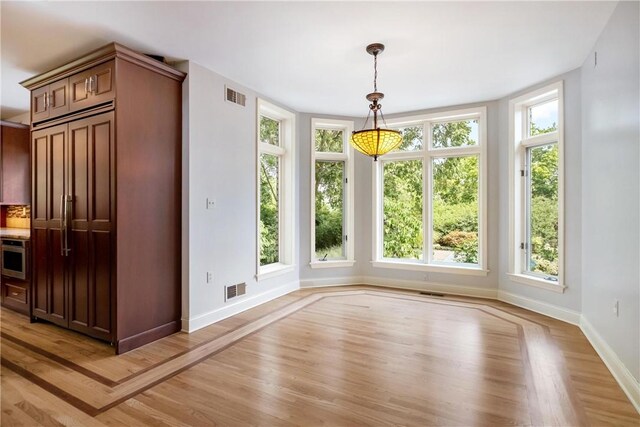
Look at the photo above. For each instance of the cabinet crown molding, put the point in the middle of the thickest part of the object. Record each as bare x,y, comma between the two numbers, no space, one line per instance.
93,58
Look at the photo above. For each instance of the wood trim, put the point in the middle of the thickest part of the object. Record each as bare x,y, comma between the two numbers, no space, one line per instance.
98,56
13,124
99,109
134,341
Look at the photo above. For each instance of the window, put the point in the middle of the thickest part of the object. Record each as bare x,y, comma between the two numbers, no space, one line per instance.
536,202
332,243
430,195
276,216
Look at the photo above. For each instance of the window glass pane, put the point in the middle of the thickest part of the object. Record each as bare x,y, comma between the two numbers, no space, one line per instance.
330,242
542,210
269,131
455,134
269,209
329,141
455,210
543,118
412,139
402,195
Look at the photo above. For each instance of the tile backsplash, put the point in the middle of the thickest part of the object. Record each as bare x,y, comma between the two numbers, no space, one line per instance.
18,216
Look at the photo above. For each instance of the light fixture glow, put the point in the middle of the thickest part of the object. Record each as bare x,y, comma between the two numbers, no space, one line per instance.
376,141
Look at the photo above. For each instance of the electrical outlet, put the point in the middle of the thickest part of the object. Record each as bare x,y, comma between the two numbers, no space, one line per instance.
616,308
209,277
211,203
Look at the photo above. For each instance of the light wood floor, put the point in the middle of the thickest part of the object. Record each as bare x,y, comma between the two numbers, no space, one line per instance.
337,357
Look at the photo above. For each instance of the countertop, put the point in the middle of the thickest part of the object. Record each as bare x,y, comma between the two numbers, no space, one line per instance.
15,233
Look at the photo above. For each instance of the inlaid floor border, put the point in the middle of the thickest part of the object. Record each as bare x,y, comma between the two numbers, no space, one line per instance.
119,391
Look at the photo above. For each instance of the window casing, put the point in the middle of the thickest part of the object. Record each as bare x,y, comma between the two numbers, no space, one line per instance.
536,196
275,190
332,192
420,180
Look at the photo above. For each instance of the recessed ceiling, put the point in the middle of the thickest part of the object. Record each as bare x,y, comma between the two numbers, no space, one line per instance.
310,55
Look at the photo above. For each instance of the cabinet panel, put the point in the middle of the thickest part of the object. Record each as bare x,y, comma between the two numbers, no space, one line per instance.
39,110
14,152
59,98
91,169
49,151
91,87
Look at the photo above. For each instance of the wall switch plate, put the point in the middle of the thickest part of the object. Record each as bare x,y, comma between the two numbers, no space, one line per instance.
209,277
211,203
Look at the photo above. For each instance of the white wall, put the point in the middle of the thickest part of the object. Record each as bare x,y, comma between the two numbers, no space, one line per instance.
610,196
220,163
571,298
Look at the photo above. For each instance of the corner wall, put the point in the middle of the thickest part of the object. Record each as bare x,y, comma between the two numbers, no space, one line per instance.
220,163
610,196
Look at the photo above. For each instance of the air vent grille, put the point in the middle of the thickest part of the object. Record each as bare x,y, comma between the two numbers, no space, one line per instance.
235,290
235,97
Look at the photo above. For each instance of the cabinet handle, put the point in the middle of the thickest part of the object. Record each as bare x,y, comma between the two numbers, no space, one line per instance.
91,89
62,225
86,86
67,222
15,294
46,98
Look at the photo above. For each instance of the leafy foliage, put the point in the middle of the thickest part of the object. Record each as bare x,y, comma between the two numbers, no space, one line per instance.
329,205
269,194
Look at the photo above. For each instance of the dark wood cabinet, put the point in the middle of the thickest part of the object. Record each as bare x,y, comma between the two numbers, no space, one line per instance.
15,294
50,101
106,249
14,163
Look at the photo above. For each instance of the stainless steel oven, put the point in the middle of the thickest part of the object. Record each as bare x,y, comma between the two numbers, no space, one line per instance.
14,259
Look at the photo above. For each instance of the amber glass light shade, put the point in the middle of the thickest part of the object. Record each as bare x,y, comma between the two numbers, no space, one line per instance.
376,142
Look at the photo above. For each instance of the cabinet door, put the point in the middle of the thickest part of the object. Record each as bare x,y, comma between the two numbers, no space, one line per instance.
93,86
14,152
59,98
39,107
91,276
49,156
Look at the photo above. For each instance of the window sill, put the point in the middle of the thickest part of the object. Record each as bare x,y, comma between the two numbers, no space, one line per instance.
273,270
538,283
336,263
400,265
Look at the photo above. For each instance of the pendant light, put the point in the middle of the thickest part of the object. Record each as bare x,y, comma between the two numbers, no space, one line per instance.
376,141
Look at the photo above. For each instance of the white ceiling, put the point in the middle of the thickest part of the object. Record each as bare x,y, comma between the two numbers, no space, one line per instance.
310,55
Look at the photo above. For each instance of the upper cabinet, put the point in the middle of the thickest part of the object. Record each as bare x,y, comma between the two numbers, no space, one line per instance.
92,87
14,164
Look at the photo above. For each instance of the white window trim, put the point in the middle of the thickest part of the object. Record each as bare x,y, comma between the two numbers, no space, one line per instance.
518,141
286,212
426,155
346,156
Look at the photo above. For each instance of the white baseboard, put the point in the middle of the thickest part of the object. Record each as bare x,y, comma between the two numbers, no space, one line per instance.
200,321
413,285
627,382
557,312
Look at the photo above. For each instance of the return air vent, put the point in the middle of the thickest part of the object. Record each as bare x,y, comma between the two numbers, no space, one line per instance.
432,294
235,291
235,97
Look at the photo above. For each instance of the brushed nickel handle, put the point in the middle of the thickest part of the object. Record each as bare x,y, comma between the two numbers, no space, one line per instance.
46,101
86,86
91,88
15,294
62,225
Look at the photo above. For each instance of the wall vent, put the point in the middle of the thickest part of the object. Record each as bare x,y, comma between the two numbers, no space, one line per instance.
235,96
235,291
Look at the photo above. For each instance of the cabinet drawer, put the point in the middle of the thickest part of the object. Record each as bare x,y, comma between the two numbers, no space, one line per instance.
15,295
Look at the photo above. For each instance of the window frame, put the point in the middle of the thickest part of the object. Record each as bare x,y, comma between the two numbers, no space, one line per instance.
285,152
426,155
519,143
347,157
